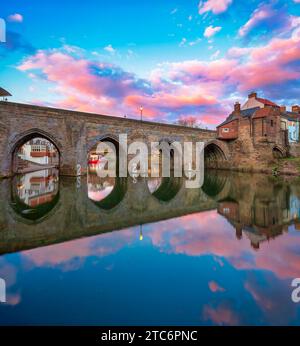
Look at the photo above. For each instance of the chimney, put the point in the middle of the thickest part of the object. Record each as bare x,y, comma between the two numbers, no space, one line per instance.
252,95
282,109
237,107
296,109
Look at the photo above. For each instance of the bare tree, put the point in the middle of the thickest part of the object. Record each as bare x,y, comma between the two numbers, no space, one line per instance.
188,122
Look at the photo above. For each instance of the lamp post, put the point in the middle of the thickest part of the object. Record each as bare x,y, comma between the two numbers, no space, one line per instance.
141,110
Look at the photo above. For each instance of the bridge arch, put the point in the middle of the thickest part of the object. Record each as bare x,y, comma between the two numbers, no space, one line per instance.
105,137
26,136
91,153
216,153
118,188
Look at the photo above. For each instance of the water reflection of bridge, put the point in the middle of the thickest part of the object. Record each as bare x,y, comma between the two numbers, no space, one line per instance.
256,206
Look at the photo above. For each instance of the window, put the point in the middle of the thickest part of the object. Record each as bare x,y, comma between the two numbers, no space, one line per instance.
226,129
272,123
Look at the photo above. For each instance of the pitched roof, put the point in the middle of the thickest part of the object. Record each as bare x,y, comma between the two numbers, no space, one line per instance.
3,92
266,102
249,112
228,120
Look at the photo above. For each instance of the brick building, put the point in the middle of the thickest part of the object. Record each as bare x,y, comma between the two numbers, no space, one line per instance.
260,125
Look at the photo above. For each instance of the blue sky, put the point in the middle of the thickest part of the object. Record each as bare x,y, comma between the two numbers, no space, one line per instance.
177,58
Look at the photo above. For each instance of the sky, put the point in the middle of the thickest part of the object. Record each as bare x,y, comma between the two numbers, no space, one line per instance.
178,59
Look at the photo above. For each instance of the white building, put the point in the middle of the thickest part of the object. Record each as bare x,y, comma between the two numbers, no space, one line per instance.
39,151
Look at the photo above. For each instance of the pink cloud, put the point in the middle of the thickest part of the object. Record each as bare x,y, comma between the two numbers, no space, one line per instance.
16,17
215,6
269,64
176,100
237,52
172,90
84,85
194,72
210,31
244,68
259,15
103,88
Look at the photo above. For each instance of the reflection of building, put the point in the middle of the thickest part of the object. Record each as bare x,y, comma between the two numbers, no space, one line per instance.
39,151
258,225
98,162
38,188
262,213
93,161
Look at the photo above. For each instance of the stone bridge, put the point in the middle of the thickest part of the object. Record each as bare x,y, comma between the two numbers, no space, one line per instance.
75,133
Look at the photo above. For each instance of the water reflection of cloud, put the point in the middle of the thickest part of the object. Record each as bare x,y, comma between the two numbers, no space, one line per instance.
260,276
273,297
199,234
8,272
222,314
71,255
208,233
215,287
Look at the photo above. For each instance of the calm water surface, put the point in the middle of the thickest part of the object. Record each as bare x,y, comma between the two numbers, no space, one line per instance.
123,252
